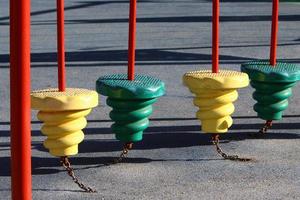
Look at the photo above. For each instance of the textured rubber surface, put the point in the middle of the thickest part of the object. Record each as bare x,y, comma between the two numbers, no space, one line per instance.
273,86
72,99
131,102
263,71
215,94
117,86
224,79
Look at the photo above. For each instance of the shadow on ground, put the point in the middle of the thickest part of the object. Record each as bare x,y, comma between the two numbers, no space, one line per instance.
176,19
98,58
42,165
119,57
79,5
154,138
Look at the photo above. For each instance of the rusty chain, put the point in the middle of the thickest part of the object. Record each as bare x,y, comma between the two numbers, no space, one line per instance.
127,146
64,160
216,140
265,128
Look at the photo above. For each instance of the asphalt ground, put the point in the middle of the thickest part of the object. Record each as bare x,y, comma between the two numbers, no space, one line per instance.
175,160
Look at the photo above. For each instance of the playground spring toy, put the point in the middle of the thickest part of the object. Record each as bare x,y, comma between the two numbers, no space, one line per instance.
131,96
63,111
272,81
215,92
61,108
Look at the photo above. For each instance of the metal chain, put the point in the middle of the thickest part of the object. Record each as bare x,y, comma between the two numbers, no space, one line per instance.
127,146
215,141
67,165
265,128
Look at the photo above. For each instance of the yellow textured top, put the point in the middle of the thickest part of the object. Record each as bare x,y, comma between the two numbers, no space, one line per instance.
71,99
225,79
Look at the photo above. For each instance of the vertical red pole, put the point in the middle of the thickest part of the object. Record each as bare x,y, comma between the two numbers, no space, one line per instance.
275,10
20,99
61,45
132,39
215,36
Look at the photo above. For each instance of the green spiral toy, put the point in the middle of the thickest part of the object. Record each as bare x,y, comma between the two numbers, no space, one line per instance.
131,102
273,86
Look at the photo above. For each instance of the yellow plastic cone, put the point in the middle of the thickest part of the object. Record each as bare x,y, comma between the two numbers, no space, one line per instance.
215,94
63,114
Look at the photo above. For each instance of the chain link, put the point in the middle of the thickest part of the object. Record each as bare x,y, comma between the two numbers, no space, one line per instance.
127,146
67,165
265,128
215,141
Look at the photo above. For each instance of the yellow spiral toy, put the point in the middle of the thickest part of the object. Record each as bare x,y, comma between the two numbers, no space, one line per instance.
215,94
63,114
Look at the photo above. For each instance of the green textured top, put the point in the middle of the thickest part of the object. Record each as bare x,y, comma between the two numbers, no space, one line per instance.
263,71
142,87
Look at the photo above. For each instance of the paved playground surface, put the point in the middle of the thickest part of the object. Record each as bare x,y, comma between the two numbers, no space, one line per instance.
175,160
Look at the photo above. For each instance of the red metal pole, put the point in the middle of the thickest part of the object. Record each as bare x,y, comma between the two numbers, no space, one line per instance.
131,40
20,99
215,36
61,45
275,10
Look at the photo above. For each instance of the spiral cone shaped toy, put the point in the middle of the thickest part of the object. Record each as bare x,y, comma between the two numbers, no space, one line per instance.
63,114
215,94
131,102
273,86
